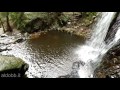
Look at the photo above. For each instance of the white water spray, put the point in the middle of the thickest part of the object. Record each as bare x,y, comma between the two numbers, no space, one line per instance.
94,49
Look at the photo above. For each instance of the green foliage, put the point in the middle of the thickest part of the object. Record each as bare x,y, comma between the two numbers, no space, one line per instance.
45,20
88,17
88,13
3,18
3,15
63,20
4,21
18,19
58,19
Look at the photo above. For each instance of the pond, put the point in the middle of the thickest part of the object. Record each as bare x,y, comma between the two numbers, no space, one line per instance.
50,55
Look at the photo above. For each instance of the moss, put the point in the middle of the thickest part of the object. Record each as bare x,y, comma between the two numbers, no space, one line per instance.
10,62
50,20
88,18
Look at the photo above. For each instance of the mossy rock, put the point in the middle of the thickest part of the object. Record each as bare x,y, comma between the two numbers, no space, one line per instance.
12,65
35,25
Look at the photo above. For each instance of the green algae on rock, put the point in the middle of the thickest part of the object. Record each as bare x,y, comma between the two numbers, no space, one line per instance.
12,65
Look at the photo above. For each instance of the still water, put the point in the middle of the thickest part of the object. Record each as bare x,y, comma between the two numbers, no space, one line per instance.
50,55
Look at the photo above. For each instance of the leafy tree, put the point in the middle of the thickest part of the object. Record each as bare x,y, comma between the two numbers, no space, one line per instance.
18,19
5,21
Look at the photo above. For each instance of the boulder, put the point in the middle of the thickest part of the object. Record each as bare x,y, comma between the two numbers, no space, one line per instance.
11,66
37,24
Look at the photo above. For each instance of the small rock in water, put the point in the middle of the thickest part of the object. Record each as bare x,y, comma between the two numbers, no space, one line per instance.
3,36
19,40
74,72
65,76
76,65
1,50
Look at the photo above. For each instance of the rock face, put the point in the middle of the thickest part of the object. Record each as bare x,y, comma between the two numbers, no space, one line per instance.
113,28
11,66
35,25
36,22
110,66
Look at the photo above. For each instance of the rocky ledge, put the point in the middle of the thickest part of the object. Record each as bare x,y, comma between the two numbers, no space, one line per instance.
11,66
110,65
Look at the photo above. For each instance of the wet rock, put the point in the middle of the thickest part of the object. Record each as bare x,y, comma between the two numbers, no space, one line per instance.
11,66
75,68
76,65
3,35
6,49
113,28
114,51
65,76
36,24
19,40
108,70
110,65
74,72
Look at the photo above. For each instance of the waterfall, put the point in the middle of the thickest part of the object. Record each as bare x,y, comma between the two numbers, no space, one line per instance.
93,51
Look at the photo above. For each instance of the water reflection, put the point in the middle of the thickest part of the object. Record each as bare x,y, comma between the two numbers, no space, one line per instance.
50,55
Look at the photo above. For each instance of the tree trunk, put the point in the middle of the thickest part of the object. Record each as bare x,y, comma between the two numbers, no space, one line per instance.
2,25
8,24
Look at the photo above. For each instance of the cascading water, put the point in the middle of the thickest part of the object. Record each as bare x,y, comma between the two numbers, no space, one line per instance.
52,54
93,51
